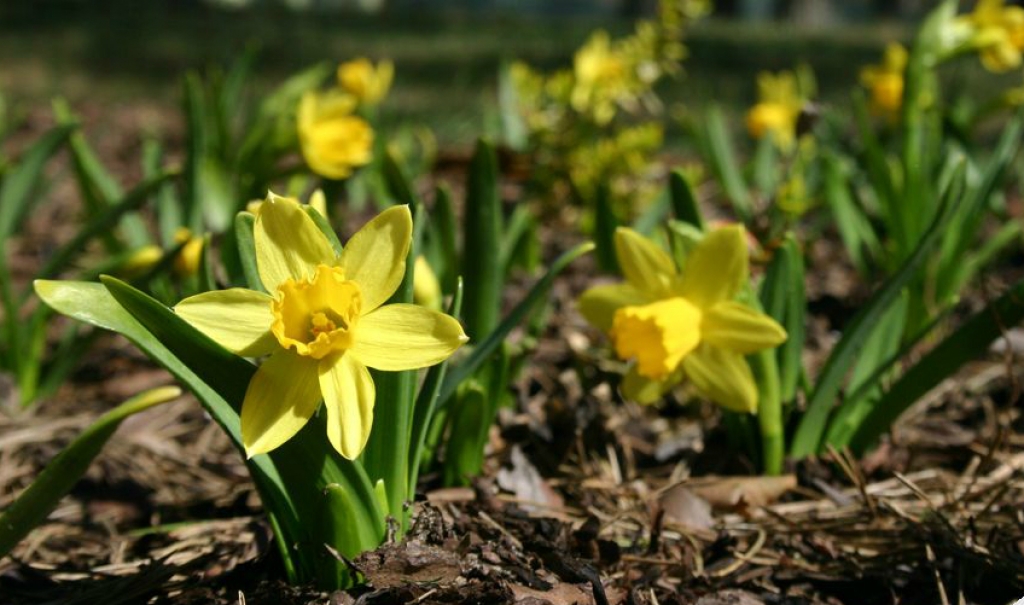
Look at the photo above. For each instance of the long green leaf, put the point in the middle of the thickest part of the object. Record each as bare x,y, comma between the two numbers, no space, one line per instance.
485,348
808,438
481,257
98,187
684,203
44,493
968,342
723,161
16,191
427,402
106,220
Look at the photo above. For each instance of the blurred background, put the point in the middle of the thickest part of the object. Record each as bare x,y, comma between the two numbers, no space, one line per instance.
105,55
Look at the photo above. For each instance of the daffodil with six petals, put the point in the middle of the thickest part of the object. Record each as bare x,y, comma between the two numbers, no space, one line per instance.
322,325
688,324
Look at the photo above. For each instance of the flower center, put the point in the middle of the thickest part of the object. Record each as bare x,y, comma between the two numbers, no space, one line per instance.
317,316
658,335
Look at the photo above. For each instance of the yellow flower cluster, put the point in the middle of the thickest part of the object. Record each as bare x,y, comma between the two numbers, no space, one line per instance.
615,160
334,139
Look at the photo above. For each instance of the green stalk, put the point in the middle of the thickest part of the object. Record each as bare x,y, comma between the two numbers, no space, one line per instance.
769,410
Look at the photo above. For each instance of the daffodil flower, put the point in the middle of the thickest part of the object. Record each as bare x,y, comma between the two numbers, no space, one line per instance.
778,108
998,34
334,141
322,325
688,324
365,82
885,81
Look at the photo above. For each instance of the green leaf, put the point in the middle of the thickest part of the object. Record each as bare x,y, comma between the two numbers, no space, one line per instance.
244,223
397,183
102,223
968,342
443,234
722,157
470,416
953,272
427,403
853,225
808,438
684,204
33,505
783,298
98,187
482,238
486,347
19,184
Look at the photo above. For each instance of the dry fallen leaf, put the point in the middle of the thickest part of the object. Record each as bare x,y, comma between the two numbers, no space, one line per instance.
741,492
682,506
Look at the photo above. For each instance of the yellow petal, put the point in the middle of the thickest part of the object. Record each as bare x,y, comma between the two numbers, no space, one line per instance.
717,267
375,256
281,398
647,390
406,337
646,266
599,304
238,319
349,394
288,243
723,377
739,328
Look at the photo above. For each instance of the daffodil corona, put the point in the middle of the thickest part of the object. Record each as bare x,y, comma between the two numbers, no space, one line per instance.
684,324
322,325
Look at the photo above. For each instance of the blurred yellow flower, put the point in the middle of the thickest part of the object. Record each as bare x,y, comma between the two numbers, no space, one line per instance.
368,84
141,260
885,81
191,254
777,110
333,141
323,325
426,289
998,34
684,324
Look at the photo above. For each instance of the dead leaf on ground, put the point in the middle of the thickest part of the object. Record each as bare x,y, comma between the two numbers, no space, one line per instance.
740,492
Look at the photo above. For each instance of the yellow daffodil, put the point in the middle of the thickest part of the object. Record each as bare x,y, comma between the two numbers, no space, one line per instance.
998,34
322,325
684,324
333,141
365,82
885,81
777,110
188,259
